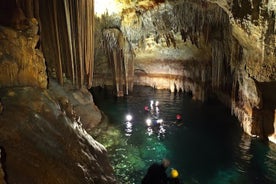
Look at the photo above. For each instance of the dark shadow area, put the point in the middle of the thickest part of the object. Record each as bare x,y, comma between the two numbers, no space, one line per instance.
264,118
3,162
268,90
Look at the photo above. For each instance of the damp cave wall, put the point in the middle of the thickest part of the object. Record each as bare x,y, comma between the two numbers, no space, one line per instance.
208,48
46,64
63,36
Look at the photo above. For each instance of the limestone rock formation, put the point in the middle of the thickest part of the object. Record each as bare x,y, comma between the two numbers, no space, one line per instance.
68,41
120,59
45,141
65,36
223,48
220,47
21,63
42,120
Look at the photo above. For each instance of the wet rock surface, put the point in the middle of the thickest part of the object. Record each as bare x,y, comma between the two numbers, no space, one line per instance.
44,138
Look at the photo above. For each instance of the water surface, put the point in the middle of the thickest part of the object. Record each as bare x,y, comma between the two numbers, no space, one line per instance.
209,147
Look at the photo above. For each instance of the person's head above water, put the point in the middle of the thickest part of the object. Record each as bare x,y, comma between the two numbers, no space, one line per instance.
165,163
174,173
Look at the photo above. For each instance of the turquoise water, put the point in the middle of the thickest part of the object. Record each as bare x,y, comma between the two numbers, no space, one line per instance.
209,147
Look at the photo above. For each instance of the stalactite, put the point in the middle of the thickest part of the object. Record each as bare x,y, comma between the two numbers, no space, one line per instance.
90,43
71,36
80,34
120,57
239,2
111,39
217,64
194,21
79,29
71,66
28,7
126,62
207,22
66,29
115,69
183,35
206,31
235,91
251,4
59,70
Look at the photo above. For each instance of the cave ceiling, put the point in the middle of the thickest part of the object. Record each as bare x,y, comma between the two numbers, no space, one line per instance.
188,30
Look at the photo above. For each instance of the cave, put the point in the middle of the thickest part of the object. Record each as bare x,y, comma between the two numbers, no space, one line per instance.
52,53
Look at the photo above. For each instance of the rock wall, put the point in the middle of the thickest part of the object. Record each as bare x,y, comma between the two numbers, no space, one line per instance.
44,122
67,34
42,132
21,63
253,25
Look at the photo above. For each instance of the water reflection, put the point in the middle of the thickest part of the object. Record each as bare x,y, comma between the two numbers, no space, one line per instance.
257,160
270,162
149,131
128,129
128,125
207,148
243,153
155,124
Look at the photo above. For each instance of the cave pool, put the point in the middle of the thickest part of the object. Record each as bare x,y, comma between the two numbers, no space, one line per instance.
209,148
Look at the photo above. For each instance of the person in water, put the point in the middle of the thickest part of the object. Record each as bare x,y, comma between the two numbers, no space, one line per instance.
146,108
156,173
178,121
174,177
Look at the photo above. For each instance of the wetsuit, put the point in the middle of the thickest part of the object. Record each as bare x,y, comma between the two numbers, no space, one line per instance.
156,175
174,181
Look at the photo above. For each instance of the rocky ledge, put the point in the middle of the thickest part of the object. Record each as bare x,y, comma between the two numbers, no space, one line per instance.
43,138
